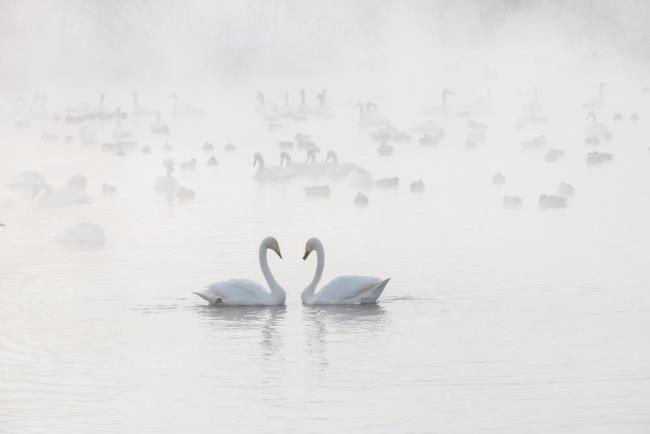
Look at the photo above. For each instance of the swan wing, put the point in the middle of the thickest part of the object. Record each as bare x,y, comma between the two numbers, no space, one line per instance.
351,290
236,292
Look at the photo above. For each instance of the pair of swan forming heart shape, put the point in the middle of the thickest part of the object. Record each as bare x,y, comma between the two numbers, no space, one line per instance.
341,290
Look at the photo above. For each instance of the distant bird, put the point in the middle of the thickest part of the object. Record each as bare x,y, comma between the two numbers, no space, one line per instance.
547,201
212,161
185,194
417,186
566,190
361,199
596,158
208,147
498,179
167,183
387,182
27,181
512,201
318,191
60,198
553,154
385,150
537,142
270,173
78,182
189,165
108,189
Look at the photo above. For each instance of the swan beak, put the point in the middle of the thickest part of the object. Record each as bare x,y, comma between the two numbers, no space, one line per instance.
307,252
278,252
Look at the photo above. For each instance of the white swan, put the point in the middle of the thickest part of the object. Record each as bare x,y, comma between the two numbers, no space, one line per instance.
244,292
84,236
167,183
27,181
271,173
340,169
343,289
57,198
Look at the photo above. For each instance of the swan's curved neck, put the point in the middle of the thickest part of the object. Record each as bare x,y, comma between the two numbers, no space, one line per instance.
320,266
260,164
266,271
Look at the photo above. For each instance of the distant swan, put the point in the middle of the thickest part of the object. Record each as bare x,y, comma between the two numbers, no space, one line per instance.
271,173
343,289
167,183
84,236
57,198
244,292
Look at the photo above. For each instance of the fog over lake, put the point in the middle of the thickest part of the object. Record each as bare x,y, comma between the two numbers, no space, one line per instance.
490,158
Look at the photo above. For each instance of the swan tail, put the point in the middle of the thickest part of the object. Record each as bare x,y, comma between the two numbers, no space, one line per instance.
375,292
206,297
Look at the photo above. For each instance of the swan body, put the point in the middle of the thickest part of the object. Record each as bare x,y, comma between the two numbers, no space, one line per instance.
84,236
212,161
598,157
245,292
387,182
498,179
553,154
167,183
185,194
58,198
431,139
27,181
318,191
343,289
271,173
208,147
537,142
417,186
549,201
109,189
512,201
369,116
597,131
340,169
566,190
385,150
78,182
188,165
361,199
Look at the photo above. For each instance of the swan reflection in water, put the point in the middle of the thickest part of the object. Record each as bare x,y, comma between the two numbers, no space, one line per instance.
345,322
245,319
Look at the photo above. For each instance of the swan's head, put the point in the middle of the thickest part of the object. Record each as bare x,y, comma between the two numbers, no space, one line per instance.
257,158
331,155
447,92
311,245
270,243
284,156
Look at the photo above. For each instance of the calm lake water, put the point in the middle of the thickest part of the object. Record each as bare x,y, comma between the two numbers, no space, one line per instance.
495,320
